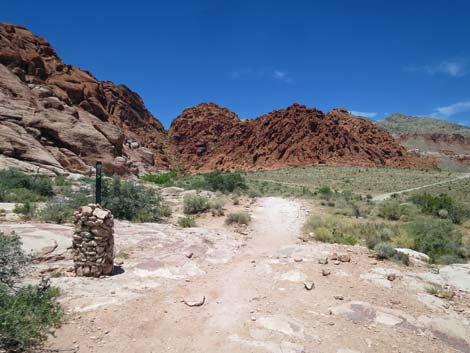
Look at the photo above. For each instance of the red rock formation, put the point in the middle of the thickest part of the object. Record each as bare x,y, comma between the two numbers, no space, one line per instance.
56,116
60,89
209,137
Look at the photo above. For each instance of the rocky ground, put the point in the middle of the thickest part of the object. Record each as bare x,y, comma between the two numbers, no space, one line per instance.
217,289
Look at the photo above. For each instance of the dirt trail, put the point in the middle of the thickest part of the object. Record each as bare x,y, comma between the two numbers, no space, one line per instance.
386,196
255,300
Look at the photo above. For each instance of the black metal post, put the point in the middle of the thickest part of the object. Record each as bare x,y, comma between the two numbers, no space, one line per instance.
98,182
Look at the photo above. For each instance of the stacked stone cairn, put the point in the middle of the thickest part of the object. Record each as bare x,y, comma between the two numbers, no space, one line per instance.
93,241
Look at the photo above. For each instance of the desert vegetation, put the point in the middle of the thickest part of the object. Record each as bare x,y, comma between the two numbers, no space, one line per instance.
28,312
215,181
360,180
54,200
422,222
240,218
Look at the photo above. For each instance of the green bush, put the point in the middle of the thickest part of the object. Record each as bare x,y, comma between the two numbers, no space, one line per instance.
62,181
323,234
436,238
436,205
331,230
384,251
166,179
186,222
216,207
12,259
194,204
56,211
238,218
20,196
27,210
325,192
131,201
224,182
394,210
16,186
28,316
450,259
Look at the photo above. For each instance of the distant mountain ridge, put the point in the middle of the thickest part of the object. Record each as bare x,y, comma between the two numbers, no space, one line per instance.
448,142
398,124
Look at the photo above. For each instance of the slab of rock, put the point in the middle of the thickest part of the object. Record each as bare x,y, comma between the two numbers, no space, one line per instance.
414,255
191,303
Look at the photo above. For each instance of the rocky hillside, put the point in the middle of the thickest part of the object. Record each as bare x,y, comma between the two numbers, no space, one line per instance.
398,124
58,116
448,142
209,137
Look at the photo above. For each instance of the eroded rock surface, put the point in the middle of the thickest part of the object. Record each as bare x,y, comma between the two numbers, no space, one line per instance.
59,117
210,137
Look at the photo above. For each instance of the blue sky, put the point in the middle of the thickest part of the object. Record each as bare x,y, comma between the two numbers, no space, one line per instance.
370,56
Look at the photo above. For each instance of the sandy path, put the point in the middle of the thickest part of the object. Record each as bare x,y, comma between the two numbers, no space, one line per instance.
256,302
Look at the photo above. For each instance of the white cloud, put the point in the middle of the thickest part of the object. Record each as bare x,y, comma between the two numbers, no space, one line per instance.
364,114
453,109
279,74
282,76
454,68
248,72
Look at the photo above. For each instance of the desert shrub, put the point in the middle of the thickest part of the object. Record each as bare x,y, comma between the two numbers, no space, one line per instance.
384,251
186,222
16,186
61,180
224,182
236,201
450,259
325,192
254,194
12,259
312,223
166,179
436,238
20,196
323,234
165,210
131,201
194,204
341,238
216,207
394,210
436,205
403,240
28,316
306,192
27,210
238,218
331,230
57,211
375,233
